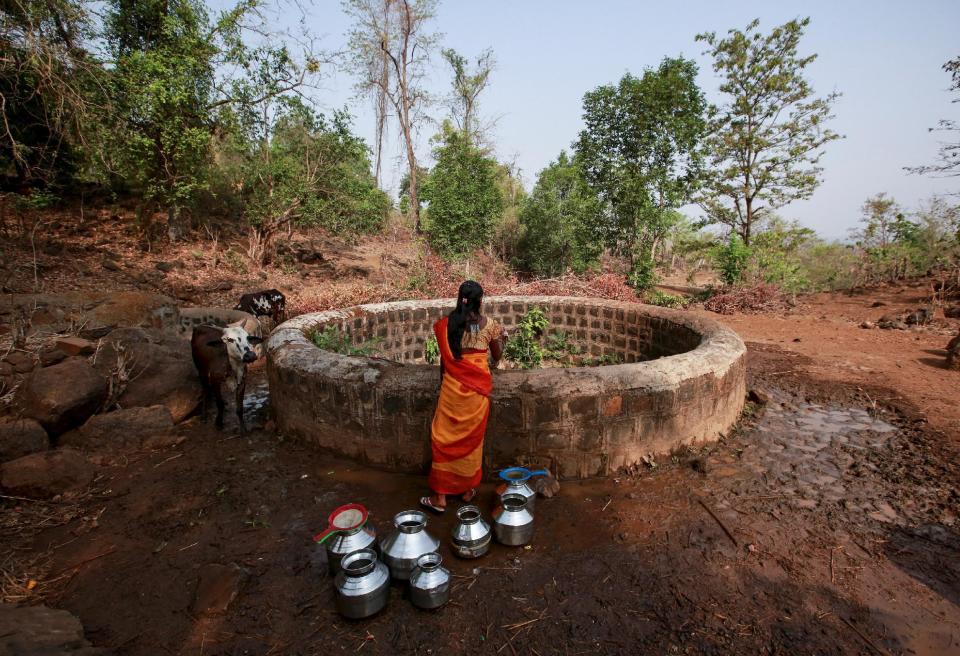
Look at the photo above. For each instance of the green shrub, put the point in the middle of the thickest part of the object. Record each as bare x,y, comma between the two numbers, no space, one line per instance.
524,346
732,260
657,297
431,351
643,275
331,339
559,347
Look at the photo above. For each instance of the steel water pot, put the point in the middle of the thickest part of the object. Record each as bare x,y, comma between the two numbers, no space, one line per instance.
512,522
363,584
429,582
403,547
516,482
347,530
471,534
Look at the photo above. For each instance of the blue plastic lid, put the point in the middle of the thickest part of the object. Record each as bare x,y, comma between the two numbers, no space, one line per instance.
520,474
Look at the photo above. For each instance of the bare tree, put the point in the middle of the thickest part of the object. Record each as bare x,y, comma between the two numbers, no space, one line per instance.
948,161
390,48
467,87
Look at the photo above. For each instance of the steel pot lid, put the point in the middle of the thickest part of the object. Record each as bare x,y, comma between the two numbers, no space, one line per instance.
519,475
345,518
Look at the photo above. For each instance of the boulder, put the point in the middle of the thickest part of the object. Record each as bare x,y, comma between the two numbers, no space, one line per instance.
126,428
42,631
21,437
546,486
62,396
47,474
758,396
133,309
160,371
892,322
76,346
110,265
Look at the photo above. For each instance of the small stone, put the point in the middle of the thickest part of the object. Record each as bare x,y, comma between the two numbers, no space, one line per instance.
223,286
700,465
631,495
796,339
217,587
868,325
262,275
758,396
42,631
167,267
110,265
546,486
51,356
76,346
806,503
877,304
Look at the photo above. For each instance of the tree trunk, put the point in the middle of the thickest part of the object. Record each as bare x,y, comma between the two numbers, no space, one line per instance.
174,225
748,222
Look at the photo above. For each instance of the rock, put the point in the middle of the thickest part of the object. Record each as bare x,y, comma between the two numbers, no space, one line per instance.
76,346
62,396
920,317
21,437
546,486
758,396
167,267
21,361
954,344
262,275
160,373
952,312
47,474
110,265
6,369
223,286
156,442
869,325
120,429
132,309
953,354
217,587
877,304
892,322
96,333
51,356
42,631
700,464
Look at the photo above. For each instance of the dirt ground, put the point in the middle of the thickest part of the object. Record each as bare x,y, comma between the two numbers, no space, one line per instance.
825,524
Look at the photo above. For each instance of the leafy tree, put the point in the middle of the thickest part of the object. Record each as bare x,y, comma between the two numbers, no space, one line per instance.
776,254
310,172
390,48
767,141
559,221
948,164
162,90
467,87
50,85
641,151
464,200
505,240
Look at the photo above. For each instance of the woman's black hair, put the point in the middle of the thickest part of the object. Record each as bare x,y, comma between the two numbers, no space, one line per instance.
468,300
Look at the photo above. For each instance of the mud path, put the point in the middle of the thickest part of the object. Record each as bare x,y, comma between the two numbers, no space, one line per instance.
824,525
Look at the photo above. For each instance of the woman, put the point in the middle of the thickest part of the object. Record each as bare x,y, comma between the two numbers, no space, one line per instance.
465,338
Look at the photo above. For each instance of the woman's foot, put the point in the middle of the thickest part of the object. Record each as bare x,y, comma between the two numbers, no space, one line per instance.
469,495
436,503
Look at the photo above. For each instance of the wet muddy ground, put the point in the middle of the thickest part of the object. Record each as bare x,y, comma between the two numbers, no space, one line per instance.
826,524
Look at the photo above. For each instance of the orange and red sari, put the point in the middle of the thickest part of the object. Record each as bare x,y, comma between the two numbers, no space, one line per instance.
460,420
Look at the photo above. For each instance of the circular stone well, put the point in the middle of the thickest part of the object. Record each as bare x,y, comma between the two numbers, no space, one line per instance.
682,381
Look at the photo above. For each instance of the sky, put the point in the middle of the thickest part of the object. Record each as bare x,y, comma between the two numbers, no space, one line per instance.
884,57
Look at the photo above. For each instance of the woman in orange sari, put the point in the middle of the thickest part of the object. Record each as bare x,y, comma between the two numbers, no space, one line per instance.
466,339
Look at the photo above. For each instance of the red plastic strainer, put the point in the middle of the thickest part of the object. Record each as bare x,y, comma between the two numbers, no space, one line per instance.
344,518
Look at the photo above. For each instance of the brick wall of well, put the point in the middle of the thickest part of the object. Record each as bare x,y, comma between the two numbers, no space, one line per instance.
682,381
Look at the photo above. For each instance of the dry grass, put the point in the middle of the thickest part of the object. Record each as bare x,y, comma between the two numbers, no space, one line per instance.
749,300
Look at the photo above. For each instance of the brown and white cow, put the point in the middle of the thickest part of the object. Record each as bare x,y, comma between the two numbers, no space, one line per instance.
222,354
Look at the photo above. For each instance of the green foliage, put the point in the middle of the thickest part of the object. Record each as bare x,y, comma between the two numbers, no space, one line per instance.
643,274
767,141
524,346
331,339
559,347
732,260
663,299
431,350
641,150
776,255
463,195
559,222
37,199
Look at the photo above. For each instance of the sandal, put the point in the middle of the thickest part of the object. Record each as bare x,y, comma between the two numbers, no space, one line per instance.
426,502
469,495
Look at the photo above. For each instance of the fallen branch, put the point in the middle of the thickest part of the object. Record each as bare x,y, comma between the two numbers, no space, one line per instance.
867,640
719,523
